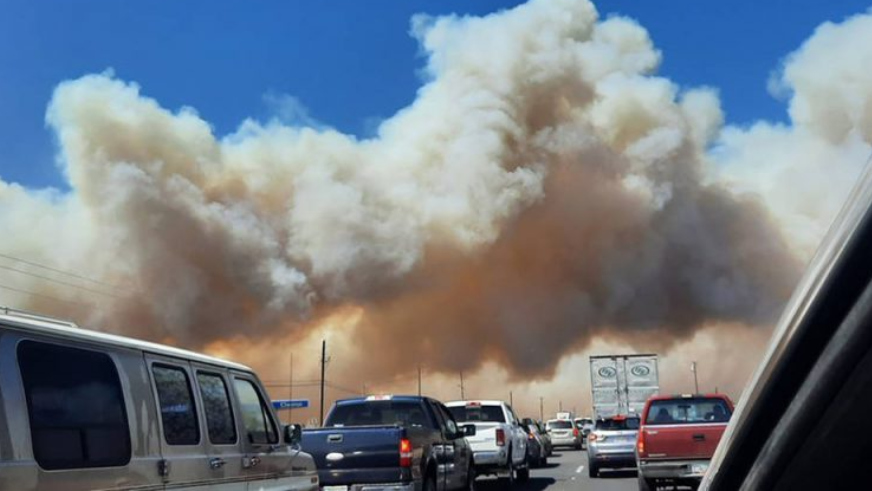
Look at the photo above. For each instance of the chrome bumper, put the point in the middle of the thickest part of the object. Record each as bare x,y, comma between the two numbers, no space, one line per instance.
676,469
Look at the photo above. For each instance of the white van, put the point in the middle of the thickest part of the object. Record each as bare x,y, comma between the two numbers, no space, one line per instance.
83,410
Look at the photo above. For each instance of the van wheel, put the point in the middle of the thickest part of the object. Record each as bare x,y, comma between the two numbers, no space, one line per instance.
646,484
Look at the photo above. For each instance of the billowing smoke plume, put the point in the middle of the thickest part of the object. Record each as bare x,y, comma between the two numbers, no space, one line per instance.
544,189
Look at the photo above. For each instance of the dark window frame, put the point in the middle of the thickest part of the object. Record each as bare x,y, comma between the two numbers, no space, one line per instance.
265,410
233,422
108,361
182,368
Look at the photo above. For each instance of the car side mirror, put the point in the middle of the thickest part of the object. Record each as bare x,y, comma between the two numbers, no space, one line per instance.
293,434
468,430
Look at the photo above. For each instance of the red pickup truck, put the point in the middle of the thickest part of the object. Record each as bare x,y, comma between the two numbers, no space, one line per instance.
678,436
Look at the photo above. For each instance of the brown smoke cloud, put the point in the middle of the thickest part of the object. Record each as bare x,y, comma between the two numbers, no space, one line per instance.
545,190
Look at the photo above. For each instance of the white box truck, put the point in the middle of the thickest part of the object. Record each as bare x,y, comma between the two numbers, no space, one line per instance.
620,384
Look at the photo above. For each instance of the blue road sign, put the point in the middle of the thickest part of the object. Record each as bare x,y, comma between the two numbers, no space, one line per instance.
290,403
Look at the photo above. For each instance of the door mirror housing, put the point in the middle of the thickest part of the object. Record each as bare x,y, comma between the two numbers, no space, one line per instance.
468,430
293,434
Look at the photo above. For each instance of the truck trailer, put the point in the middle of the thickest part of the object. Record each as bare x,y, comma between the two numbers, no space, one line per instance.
620,384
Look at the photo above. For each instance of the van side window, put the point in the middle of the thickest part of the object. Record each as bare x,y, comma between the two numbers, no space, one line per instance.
255,414
177,409
216,405
75,405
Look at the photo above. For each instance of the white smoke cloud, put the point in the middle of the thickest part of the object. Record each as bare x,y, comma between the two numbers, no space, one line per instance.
804,169
545,180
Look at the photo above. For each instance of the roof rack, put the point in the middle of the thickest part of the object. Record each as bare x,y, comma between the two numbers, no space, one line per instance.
26,314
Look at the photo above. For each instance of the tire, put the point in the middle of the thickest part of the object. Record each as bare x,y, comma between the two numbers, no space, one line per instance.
592,470
524,474
646,484
509,481
430,482
470,478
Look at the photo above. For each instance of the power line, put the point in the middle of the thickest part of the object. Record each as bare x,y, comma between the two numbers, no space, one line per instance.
59,282
343,389
60,271
48,297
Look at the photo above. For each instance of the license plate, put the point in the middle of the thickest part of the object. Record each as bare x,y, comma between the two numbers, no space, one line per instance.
698,468
334,488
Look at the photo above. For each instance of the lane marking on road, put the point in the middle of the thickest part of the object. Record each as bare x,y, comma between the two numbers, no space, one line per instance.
580,468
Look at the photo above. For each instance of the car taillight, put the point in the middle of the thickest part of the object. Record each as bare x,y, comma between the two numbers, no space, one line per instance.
501,437
405,453
640,444
575,432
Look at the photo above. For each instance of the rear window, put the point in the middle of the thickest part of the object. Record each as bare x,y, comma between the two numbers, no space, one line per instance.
687,411
560,425
617,424
379,413
488,414
75,405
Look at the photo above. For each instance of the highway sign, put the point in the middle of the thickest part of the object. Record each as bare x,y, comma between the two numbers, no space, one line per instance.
290,403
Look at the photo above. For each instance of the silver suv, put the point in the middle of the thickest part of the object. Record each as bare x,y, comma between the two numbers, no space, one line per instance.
612,444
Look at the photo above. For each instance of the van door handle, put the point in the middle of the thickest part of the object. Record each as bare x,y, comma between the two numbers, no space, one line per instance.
249,462
699,437
216,463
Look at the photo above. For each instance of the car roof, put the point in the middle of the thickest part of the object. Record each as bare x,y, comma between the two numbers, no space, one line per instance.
475,401
28,322
379,398
663,397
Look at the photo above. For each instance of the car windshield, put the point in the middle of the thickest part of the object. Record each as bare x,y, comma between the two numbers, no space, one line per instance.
617,424
690,410
483,413
560,425
378,413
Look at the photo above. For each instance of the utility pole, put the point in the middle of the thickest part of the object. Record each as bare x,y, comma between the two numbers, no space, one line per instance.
419,380
462,391
323,367
364,389
542,409
511,399
695,379
560,406
291,386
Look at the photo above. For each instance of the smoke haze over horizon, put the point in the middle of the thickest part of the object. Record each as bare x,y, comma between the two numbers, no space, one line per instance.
545,195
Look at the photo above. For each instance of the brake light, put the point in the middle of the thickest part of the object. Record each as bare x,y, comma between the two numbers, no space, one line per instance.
575,432
501,437
640,444
405,453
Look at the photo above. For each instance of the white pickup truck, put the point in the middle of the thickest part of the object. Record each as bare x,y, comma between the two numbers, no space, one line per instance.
499,446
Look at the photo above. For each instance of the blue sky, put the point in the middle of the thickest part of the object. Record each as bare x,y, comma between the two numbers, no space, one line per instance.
350,62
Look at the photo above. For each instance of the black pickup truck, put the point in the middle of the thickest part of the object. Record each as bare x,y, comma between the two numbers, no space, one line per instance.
391,443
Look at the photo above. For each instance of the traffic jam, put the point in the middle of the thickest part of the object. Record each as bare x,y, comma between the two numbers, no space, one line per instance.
668,440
